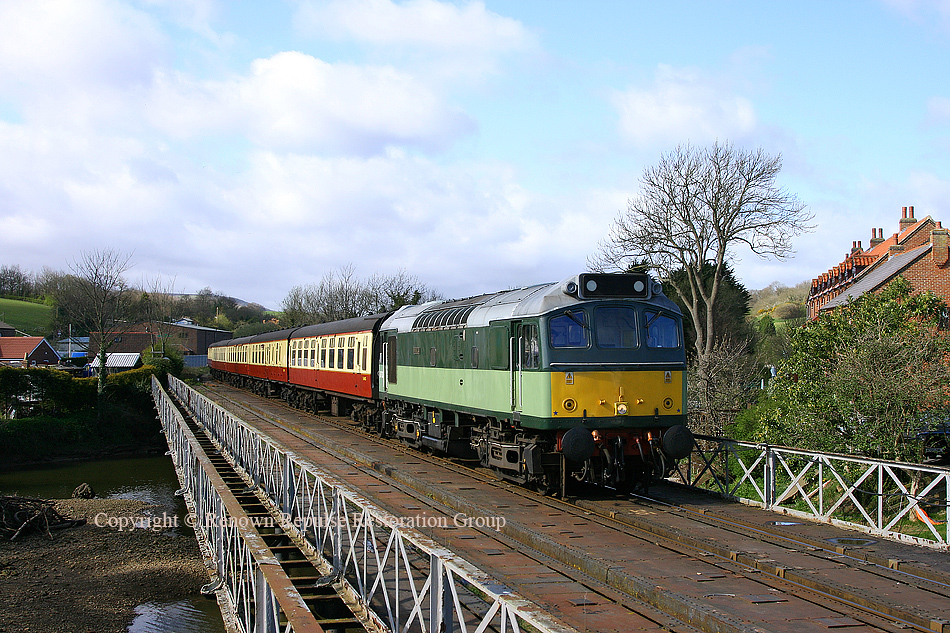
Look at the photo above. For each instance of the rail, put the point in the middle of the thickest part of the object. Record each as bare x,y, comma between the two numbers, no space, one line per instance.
257,594
409,582
906,502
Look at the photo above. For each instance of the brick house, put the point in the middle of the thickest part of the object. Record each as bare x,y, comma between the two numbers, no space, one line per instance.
26,351
918,252
183,335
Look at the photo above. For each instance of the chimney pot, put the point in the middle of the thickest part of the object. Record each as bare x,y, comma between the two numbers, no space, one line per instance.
910,211
903,212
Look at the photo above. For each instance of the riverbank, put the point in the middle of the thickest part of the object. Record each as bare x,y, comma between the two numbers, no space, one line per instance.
92,577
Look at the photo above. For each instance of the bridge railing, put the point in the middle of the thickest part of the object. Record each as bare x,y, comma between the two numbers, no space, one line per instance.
257,595
404,580
906,502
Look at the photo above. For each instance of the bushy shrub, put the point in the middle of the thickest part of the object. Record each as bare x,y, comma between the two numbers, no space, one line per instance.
785,311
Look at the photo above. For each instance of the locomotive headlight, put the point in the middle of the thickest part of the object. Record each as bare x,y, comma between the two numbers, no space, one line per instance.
621,408
569,404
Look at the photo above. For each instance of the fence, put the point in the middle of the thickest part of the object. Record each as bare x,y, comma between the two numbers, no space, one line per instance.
907,502
257,594
404,580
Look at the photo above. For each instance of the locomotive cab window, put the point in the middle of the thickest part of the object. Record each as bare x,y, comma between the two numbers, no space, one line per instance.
569,329
615,327
662,330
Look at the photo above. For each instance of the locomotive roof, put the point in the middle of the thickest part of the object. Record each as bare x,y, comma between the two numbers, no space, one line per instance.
481,310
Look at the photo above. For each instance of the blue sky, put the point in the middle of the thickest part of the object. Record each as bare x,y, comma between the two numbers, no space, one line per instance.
252,147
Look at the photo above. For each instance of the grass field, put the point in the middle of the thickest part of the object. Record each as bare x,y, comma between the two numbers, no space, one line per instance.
31,318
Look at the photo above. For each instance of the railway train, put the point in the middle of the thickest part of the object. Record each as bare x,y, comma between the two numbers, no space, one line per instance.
582,380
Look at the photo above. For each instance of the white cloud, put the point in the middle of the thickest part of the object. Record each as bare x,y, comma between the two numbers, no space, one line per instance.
682,106
52,46
924,11
449,40
292,101
938,110
423,23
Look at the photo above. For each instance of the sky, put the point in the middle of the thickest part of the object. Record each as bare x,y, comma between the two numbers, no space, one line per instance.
251,147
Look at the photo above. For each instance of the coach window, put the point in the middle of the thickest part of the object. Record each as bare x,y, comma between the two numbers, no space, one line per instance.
662,331
339,352
323,353
351,352
332,354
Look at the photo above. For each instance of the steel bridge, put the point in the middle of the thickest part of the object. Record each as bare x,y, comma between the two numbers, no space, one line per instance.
399,579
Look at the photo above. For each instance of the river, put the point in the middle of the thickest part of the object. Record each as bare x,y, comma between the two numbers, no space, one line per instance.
149,479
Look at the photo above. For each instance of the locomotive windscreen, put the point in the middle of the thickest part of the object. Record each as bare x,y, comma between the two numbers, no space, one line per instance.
628,285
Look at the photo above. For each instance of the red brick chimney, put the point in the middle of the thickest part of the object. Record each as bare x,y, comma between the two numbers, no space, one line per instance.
907,218
940,239
877,236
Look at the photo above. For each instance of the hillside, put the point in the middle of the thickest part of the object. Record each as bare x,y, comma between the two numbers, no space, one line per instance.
32,318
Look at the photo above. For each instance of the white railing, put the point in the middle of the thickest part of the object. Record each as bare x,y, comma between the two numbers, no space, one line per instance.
256,594
906,502
406,580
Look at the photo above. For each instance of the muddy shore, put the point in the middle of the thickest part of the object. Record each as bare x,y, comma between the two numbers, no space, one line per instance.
91,577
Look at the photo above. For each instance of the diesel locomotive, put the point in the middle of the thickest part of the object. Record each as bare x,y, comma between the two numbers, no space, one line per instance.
582,380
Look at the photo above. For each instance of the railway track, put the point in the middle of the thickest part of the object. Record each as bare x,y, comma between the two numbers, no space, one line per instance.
622,563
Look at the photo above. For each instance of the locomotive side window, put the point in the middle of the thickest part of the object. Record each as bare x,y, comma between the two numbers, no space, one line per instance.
530,353
569,329
661,330
615,327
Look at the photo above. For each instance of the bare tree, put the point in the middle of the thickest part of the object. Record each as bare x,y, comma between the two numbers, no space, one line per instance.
99,300
16,281
391,292
342,295
694,207
158,303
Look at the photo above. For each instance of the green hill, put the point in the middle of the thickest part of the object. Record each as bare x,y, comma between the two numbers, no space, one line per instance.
32,318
